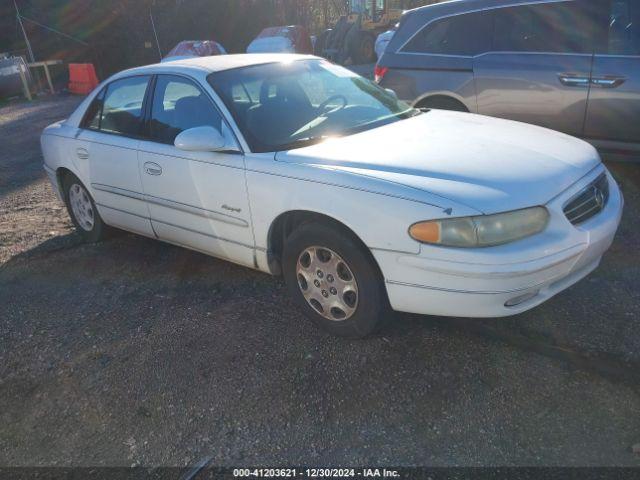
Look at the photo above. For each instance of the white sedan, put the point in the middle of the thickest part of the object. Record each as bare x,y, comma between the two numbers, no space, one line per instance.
294,166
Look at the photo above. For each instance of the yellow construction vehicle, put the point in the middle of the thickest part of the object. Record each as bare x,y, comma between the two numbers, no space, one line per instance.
352,39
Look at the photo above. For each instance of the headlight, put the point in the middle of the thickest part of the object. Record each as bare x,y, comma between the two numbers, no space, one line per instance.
483,230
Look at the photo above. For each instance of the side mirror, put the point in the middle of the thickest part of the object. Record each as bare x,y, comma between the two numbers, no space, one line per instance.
201,139
392,93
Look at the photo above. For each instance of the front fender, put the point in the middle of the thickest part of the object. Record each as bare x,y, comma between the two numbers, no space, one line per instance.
378,212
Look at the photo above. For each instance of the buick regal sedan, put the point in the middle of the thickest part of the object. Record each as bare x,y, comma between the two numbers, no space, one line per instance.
294,166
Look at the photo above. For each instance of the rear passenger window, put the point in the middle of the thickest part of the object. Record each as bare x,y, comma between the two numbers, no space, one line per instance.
92,115
624,28
564,27
178,104
467,34
122,106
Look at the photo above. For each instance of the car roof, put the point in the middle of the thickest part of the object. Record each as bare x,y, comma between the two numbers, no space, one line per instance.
217,63
460,6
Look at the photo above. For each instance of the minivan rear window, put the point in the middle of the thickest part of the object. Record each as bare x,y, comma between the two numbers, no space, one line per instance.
466,34
565,27
624,28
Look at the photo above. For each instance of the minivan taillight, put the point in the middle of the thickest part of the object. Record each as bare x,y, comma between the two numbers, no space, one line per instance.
379,73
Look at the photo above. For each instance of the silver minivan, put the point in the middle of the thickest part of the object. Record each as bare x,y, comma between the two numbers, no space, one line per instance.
569,65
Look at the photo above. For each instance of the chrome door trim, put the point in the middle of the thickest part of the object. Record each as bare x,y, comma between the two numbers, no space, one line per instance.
235,242
101,205
201,212
163,202
118,191
183,228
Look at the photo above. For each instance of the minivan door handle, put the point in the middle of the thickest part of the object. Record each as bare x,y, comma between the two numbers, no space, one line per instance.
573,80
152,168
608,82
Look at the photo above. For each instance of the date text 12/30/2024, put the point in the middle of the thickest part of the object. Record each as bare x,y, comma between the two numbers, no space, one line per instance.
315,472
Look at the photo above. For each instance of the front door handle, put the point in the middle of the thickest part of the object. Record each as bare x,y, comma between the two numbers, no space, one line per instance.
82,153
608,82
573,80
152,168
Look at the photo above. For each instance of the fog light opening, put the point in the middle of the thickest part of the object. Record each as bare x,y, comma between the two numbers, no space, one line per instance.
515,301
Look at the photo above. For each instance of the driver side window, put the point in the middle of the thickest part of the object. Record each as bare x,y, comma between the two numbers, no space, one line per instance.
178,104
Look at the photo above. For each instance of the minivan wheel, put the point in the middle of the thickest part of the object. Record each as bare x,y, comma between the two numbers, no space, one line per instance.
443,103
334,281
82,210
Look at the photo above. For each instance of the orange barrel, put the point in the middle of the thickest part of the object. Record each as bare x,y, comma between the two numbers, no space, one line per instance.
82,78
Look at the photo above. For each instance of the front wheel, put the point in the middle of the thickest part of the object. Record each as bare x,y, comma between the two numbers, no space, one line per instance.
334,280
82,210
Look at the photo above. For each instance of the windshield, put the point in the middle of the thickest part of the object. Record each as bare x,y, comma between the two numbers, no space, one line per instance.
281,106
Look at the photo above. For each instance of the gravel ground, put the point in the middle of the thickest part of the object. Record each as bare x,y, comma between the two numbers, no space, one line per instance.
133,352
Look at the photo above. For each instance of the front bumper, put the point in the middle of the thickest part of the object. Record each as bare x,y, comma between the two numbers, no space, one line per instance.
504,280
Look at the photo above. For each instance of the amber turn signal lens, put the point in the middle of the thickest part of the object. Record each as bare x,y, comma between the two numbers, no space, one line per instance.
428,232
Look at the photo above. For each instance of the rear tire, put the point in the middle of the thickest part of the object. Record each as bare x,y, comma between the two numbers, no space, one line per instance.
82,210
334,280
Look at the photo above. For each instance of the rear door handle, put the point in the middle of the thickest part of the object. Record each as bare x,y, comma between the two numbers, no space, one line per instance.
82,153
608,82
152,168
573,80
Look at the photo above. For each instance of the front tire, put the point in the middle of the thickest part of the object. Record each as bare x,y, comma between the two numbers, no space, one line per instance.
82,210
334,280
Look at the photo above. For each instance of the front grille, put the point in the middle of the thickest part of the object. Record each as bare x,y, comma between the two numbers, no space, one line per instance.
589,202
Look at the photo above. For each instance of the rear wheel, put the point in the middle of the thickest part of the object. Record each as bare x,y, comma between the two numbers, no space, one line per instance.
334,280
82,210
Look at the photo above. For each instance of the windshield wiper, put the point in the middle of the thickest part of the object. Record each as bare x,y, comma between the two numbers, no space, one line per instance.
298,141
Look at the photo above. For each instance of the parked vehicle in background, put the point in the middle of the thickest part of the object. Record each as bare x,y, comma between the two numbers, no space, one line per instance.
352,39
573,66
282,163
289,39
194,48
383,40
10,81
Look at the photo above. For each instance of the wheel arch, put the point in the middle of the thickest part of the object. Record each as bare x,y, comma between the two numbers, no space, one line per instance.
443,97
285,223
61,174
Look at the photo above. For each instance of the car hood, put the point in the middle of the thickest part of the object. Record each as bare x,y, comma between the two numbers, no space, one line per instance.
488,164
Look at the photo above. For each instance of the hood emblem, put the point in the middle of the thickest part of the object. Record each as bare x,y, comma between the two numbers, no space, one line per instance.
448,211
599,197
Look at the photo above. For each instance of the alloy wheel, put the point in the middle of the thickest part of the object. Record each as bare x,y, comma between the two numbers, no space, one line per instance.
82,207
327,283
